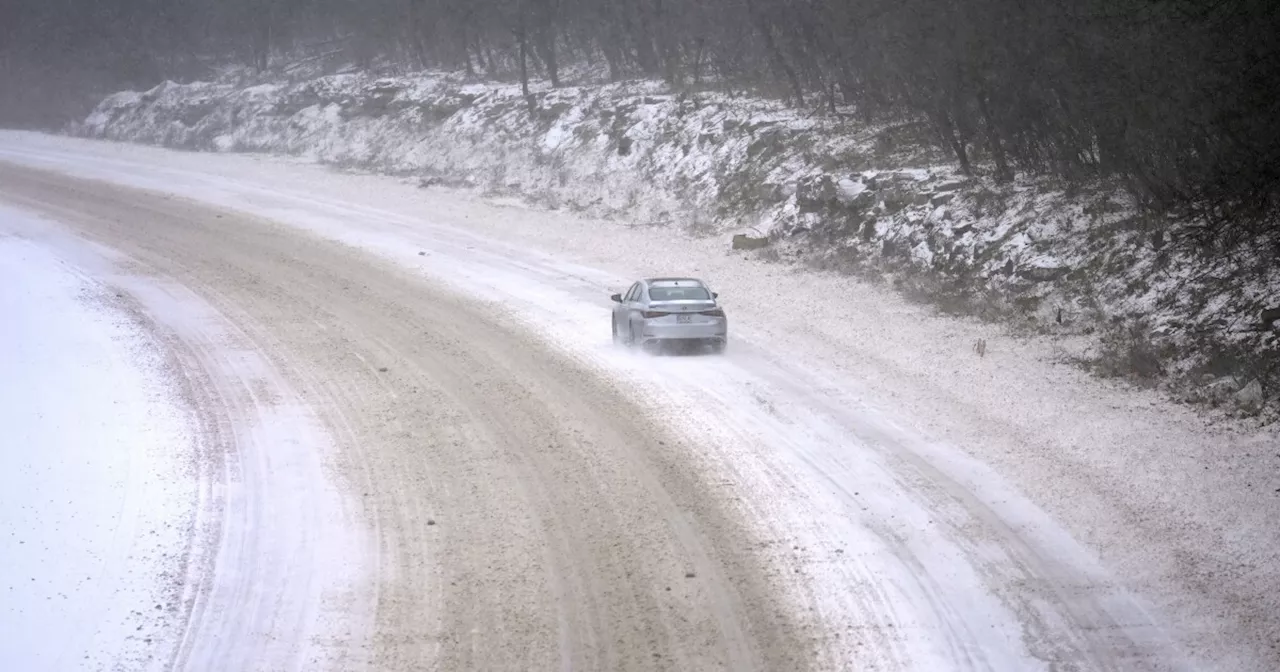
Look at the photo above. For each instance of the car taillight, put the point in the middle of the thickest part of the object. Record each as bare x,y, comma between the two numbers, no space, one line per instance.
650,314
713,313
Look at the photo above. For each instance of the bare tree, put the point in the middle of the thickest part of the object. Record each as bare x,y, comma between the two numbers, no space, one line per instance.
1175,98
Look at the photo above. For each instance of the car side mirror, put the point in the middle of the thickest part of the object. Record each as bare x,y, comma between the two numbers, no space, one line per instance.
617,298
715,295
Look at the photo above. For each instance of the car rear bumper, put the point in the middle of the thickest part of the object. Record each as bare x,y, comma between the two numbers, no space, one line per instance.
685,332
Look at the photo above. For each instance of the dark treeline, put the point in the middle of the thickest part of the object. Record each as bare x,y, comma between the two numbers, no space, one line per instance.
1180,98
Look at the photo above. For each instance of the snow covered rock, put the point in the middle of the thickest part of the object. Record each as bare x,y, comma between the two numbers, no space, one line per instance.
1219,391
1249,399
1270,318
744,242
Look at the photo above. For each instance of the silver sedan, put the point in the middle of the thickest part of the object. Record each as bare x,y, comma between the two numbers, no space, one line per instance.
658,311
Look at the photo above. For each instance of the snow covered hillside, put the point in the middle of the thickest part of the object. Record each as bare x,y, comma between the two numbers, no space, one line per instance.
1079,263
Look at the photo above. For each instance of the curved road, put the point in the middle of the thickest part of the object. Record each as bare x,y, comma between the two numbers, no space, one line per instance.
526,516
498,503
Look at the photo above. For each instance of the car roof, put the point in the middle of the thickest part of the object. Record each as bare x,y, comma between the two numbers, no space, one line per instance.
673,281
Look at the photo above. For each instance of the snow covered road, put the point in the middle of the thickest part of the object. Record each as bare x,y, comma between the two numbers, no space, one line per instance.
534,497
525,515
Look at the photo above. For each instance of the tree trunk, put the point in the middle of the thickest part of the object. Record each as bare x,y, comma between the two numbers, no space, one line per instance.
942,121
547,16
666,50
486,50
780,65
547,51
645,53
417,45
466,54
263,55
700,45
613,42
524,66
261,44
522,37
1003,174
613,57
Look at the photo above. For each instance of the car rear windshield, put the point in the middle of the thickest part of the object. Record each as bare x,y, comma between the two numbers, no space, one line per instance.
687,293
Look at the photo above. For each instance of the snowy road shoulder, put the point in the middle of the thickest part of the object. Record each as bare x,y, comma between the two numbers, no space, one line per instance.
167,499
98,496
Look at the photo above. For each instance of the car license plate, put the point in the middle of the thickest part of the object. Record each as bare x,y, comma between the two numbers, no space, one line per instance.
684,319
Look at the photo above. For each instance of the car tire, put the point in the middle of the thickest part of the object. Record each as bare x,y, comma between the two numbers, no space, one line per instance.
718,347
613,322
